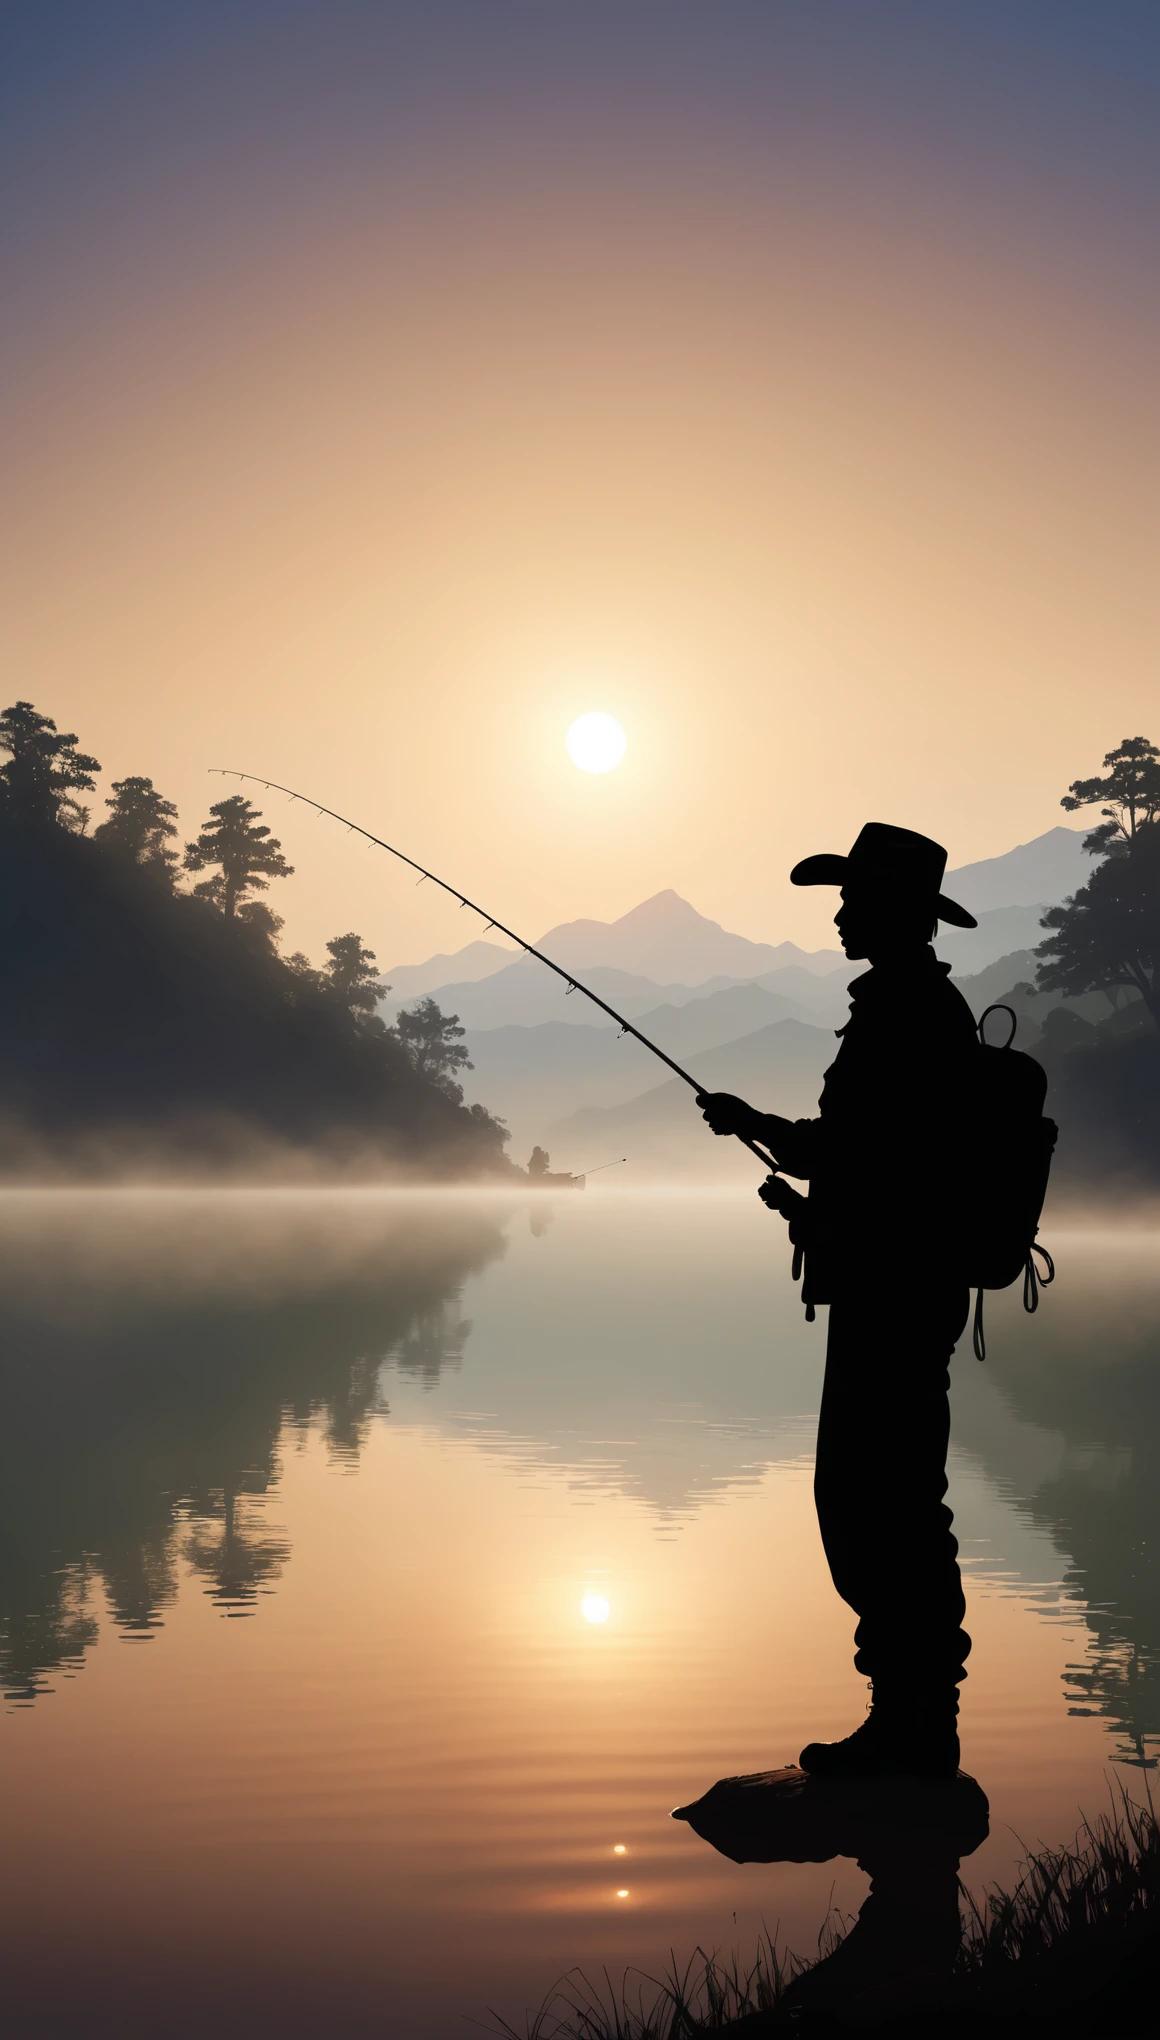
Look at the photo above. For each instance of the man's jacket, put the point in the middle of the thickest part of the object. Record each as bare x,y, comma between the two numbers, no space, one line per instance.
885,1157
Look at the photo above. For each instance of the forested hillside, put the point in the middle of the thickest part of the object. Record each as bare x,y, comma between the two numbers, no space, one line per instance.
144,1023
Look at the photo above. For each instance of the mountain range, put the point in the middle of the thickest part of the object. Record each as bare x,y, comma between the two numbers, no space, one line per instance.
409,981
740,1015
1043,872
667,943
521,993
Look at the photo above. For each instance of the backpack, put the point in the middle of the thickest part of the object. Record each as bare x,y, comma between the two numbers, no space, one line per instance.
1011,1149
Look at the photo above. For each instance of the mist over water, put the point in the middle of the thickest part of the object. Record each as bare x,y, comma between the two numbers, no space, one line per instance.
376,1563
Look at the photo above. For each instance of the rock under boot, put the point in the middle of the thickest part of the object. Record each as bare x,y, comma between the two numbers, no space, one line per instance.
897,1957
889,1746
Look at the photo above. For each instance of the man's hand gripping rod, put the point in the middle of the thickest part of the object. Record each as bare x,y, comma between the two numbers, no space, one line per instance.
573,984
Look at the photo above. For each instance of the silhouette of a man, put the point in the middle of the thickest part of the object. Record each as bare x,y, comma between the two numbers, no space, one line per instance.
885,1163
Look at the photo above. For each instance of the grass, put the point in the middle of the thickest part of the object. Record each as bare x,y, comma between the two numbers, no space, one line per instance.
708,1996
1073,1947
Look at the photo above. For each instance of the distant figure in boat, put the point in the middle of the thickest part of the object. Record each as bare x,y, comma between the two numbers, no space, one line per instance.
540,1173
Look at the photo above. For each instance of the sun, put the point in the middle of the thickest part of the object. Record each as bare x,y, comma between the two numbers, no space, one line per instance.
596,742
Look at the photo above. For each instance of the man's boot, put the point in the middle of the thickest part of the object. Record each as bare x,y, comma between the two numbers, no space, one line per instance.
911,1735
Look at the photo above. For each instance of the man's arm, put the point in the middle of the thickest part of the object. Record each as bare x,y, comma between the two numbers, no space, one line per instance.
790,1141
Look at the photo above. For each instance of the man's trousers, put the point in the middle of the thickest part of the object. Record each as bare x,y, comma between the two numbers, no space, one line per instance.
880,1485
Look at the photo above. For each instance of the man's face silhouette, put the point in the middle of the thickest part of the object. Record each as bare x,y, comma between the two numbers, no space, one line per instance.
873,926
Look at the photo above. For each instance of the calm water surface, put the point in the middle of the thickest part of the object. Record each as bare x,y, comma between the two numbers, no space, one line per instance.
308,1505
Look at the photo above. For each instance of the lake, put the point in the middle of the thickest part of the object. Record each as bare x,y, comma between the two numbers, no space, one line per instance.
378,1569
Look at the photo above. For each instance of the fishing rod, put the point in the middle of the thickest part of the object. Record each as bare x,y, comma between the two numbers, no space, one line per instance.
601,1165
573,984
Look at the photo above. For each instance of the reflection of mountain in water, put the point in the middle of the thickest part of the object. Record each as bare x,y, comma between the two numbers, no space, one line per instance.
648,1348
1087,1369
153,1350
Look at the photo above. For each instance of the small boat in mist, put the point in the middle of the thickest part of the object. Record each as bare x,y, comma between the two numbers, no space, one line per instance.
541,1175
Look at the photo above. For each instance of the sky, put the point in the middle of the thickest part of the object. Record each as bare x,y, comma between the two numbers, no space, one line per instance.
384,386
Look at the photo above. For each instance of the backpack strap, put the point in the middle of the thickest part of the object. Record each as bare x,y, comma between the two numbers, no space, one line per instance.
977,1339
1033,1281
981,1025
796,1276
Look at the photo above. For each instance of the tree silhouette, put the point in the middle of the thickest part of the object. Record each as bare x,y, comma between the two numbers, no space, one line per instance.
352,977
1131,793
259,927
303,970
193,1036
240,844
1108,933
140,825
44,770
433,1040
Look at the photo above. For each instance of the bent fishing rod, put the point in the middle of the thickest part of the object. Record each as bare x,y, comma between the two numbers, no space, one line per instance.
573,984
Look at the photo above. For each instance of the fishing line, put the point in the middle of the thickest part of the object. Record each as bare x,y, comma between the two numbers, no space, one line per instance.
573,984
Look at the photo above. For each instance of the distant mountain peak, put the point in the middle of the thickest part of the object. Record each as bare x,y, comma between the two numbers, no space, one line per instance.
667,939
666,898
462,966
663,909
1039,873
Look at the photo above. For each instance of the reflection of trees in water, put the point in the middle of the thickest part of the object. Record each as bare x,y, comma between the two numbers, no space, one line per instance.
140,1427
1120,1681
56,1634
1110,1529
239,1561
434,1343
1098,1382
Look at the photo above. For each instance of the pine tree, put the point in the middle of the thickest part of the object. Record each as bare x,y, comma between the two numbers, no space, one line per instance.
1108,933
433,1040
44,770
1131,796
242,847
352,977
140,825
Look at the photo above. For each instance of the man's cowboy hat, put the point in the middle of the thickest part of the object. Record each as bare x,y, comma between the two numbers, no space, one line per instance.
886,859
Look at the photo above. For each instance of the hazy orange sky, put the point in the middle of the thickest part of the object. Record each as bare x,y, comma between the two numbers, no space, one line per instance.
385,386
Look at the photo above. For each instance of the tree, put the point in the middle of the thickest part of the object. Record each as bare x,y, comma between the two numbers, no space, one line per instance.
74,816
1108,933
140,825
1131,792
352,977
433,1041
44,770
241,845
303,969
259,927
